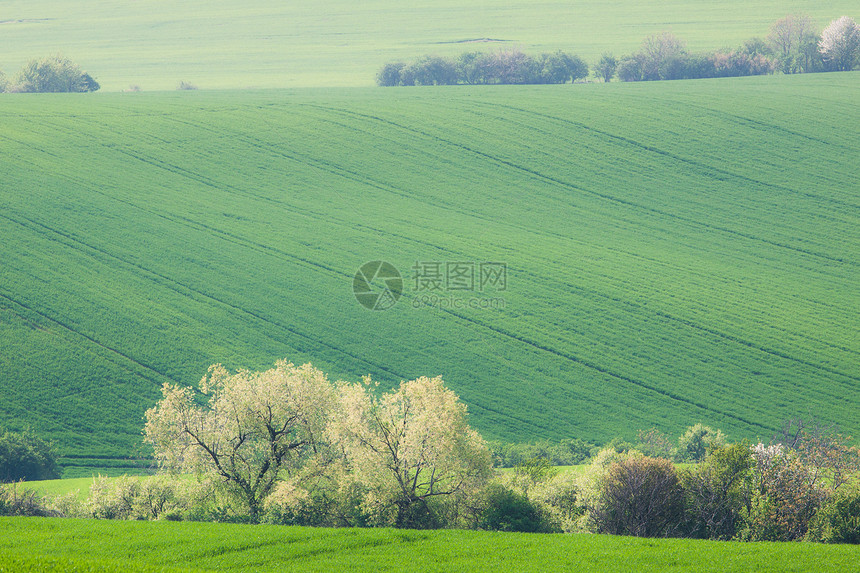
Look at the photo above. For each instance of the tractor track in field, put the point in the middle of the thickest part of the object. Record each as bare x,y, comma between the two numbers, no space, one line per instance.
183,290
99,344
225,187
497,330
704,170
686,322
606,371
699,165
638,308
577,188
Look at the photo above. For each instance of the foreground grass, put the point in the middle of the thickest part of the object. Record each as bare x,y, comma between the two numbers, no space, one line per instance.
258,43
35,544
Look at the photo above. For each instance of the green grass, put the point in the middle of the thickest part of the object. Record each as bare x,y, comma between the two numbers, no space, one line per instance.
257,43
677,252
57,487
144,546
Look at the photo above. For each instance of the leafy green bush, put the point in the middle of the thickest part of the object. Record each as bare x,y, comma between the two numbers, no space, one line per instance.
508,510
319,503
149,498
694,444
25,456
503,67
655,444
560,495
838,518
640,496
715,491
532,472
565,452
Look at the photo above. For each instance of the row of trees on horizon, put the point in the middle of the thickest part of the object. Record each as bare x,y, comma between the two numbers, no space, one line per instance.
793,45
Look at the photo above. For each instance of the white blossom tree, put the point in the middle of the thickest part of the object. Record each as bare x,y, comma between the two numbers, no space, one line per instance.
410,449
255,428
840,44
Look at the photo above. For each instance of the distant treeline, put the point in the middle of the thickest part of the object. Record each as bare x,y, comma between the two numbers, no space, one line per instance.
792,46
506,67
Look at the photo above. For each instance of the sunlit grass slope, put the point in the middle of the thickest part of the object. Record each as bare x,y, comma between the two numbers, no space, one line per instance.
32,544
676,252
260,43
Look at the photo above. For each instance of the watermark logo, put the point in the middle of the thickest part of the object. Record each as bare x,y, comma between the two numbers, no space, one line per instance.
378,285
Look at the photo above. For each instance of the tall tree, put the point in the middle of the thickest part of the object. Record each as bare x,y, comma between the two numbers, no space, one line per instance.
410,448
787,39
255,427
605,68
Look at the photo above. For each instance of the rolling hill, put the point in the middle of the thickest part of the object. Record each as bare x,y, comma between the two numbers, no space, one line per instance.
675,252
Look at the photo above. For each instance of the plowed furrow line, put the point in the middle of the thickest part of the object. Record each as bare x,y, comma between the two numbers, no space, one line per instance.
573,187
183,289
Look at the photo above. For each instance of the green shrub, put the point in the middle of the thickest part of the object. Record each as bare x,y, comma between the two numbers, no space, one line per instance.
566,452
25,456
508,510
560,495
838,518
319,502
149,498
715,491
15,500
694,444
640,496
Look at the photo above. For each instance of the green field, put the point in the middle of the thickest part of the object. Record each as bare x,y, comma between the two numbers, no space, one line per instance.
676,252
34,544
258,43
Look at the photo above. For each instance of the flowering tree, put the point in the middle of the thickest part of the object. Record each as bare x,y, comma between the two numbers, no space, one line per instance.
255,427
840,43
409,447
785,495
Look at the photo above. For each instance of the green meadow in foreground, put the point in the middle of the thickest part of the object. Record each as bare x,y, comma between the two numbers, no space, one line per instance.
259,43
677,252
38,544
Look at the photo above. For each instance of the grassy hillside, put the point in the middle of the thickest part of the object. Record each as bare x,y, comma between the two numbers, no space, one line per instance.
676,252
32,544
257,43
